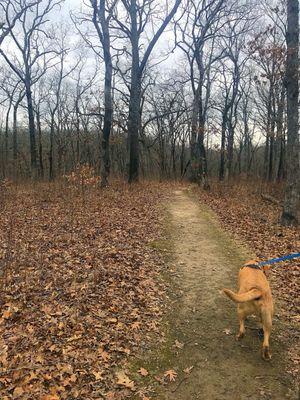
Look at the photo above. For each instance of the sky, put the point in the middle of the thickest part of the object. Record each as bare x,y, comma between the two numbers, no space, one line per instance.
164,44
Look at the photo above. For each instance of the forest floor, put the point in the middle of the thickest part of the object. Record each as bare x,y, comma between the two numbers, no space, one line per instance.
115,294
200,354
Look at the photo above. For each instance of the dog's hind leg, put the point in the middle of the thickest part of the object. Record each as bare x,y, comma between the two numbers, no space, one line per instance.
267,326
241,317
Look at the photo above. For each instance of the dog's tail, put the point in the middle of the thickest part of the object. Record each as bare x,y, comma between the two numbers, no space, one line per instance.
253,294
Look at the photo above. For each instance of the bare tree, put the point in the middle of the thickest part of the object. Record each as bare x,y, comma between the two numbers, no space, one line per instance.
13,11
196,34
102,14
138,19
33,57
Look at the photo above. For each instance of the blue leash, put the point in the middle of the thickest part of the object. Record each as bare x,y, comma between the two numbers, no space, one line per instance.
276,260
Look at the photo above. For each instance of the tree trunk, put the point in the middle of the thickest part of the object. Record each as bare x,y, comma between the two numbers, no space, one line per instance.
223,144
182,157
15,131
134,103
202,153
6,140
108,98
291,201
15,138
51,169
230,142
280,136
194,174
32,135
41,162
272,138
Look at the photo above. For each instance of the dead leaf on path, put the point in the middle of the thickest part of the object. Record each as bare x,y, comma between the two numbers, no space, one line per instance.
123,380
143,372
178,344
171,375
188,370
227,331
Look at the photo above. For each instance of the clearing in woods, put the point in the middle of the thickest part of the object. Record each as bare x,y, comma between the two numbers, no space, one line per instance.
205,321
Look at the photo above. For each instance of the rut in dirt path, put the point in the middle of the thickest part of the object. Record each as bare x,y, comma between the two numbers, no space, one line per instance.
206,322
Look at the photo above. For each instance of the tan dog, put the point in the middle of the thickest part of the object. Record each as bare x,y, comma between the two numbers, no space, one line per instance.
254,297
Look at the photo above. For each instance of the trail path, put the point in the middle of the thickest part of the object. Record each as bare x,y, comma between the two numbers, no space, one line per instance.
206,323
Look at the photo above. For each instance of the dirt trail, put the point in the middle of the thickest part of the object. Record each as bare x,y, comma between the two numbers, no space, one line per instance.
205,321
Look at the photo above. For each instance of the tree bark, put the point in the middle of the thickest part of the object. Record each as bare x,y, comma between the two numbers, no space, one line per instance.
135,99
223,144
195,156
32,135
137,69
41,161
291,201
108,114
102,28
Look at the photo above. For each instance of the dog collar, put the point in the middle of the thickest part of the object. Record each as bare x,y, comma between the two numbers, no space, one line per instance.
254,266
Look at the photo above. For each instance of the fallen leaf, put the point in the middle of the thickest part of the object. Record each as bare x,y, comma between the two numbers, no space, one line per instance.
18,391
51,397
188,370
123,380
136,325
178,344
143,372
171,375
97,375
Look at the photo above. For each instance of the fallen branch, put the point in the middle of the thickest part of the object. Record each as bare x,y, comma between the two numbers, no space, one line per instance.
271,199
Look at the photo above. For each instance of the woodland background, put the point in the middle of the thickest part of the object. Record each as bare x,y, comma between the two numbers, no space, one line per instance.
198,94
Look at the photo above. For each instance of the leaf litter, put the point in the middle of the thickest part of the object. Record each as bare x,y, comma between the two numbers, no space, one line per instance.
79,288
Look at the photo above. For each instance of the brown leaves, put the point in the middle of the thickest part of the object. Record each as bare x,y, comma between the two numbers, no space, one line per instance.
80,290
123,380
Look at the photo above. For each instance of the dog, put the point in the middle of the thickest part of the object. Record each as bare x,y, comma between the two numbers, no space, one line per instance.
254,297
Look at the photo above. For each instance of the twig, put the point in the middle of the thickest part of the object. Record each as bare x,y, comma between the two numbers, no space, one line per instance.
179,384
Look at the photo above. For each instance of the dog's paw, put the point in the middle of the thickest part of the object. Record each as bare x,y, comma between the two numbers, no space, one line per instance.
266,355
240,335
